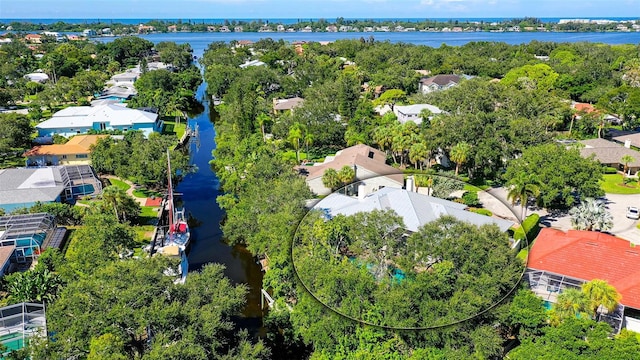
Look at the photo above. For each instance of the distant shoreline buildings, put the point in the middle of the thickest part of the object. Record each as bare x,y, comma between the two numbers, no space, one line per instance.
147,26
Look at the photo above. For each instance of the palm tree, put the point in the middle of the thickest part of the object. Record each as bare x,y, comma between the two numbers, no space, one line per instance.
262,120
418,153
296,134
383,136
459,154
308,141
521,188
424,180
571,303
330,179
591,214
600,293
626,159
346,175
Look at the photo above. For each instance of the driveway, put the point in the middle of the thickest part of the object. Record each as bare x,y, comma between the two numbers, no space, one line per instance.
616,204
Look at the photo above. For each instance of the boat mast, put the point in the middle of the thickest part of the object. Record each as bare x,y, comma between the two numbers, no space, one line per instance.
170,194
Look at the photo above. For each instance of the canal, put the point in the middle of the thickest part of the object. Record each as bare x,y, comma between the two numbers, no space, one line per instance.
198,193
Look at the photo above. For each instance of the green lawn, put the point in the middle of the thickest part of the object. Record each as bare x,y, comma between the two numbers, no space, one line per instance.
145,193
170,127
148,215
614,184
143,238
290,155
119,183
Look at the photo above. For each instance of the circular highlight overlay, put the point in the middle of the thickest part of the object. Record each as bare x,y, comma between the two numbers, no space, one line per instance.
430,256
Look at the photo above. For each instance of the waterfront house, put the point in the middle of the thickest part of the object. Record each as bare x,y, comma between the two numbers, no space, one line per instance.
415,209
33,38
172,28
282,105
24,187
81,119
437,83
369,165
610,153
77,151
560,260
412,112
89,32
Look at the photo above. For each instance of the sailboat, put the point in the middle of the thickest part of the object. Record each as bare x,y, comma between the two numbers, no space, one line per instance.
177,236
178,233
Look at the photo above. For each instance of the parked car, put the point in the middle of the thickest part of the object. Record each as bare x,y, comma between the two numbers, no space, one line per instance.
633,213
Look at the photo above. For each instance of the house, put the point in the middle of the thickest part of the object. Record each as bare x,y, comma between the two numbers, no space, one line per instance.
437,83
19,322
26,234
129,76
6,255
33,38
586,108
143,29
89,32
415,209
560,260
24,187
77,151
38,77
610,153
172,28
369,164
412,112
238,29
119,92
224,28
243,43
627,137
80,119
74,38
252,63
281,105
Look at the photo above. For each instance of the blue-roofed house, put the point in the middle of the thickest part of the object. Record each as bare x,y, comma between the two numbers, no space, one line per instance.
81,119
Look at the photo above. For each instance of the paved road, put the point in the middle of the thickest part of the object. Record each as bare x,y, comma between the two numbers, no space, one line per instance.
496,198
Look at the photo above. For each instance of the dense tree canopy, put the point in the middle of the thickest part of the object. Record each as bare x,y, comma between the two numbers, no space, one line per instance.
564,175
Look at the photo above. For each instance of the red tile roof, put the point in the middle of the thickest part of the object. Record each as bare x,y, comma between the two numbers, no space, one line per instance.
584,107
589,255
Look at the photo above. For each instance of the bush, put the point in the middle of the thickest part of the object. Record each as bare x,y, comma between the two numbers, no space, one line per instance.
482,212
529,229
610,170
470,198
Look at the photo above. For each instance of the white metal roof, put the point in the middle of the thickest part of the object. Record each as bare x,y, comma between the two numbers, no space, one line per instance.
415,209
86,116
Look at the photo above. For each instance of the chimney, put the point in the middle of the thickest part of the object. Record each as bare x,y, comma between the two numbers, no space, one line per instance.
409,185
361,191
627,144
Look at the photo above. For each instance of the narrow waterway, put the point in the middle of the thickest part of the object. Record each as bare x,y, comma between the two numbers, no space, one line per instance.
199,191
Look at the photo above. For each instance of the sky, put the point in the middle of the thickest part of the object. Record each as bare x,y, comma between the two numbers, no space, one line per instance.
306,9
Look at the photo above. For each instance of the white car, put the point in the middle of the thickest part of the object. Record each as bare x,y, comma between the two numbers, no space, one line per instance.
633,213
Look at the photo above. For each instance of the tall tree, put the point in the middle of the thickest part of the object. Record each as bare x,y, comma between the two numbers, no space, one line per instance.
296,135
521,189
330,179
459,154
601,294
626,159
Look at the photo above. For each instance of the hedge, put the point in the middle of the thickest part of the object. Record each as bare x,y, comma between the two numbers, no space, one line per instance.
530,226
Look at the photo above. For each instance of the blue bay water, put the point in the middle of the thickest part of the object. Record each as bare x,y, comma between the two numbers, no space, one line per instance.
200,41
